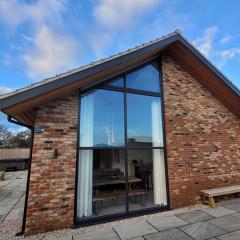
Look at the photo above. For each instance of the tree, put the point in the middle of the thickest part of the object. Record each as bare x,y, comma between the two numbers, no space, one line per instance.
5,137
14,140
22,139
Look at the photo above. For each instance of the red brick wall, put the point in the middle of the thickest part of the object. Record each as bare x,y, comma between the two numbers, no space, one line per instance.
203,137
52,181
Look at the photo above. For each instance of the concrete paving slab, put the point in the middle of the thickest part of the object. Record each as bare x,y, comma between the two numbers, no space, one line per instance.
218,211
194,216
16,213
66,236
9,187
98,235
8,201
2,217
173,234
164,223
202,230
3,193
138,238
233,206
236,214
12,193
5,209
5,182
228,223
16,194
133,230
20,204
230,236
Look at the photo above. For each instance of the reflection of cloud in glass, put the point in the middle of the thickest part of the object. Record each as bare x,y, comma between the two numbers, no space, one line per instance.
144,119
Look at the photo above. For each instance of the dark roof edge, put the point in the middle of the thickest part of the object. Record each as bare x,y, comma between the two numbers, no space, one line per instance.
62,81
71,78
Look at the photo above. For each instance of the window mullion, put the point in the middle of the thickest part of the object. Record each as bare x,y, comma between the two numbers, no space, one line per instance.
125,152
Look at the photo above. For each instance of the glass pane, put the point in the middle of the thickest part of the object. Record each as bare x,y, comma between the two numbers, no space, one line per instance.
116,82
101,183
144,121
102,119
147,182
145,78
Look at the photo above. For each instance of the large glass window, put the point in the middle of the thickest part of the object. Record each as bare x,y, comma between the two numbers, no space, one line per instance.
145,78
144,121
121,164
102,119
116,82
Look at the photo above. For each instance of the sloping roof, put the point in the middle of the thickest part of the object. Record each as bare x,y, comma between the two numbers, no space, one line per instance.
93,66
76,75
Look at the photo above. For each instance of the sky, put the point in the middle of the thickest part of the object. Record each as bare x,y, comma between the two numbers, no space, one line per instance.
41,38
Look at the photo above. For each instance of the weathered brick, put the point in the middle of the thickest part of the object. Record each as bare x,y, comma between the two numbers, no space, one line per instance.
202,137
53,179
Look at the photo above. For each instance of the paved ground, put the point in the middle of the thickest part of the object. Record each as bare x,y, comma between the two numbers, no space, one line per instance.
221,223
12,195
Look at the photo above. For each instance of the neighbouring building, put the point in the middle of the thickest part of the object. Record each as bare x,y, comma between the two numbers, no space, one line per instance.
13,159
138,132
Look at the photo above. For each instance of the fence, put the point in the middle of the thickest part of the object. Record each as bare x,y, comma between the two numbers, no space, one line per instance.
17,153
14,159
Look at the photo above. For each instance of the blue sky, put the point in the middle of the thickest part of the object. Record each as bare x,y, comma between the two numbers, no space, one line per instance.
40,38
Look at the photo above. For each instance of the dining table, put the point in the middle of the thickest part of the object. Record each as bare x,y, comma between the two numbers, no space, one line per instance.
114,181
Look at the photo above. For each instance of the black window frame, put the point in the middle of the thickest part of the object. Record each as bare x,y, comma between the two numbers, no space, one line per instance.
99,219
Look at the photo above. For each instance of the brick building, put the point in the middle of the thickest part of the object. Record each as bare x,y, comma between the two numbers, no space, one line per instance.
139,132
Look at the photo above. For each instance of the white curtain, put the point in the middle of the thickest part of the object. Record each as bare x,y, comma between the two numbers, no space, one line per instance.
159,178
85,170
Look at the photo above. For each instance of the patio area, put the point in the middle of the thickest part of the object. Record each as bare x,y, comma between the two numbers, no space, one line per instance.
221,223
12,195
196,222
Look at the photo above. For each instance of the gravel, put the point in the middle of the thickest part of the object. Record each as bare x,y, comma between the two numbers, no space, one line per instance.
9,228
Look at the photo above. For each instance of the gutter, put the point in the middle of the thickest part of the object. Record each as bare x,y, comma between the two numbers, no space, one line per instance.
11,120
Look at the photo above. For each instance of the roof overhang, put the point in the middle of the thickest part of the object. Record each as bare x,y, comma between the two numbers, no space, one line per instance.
21,104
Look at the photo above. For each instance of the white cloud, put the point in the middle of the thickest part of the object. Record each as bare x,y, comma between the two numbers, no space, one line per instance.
45,50
98,42
4,90
15,12
119,14
226,39
228,54
205,43
51,53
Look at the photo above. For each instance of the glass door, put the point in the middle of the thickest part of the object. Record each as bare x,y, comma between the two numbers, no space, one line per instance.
102,188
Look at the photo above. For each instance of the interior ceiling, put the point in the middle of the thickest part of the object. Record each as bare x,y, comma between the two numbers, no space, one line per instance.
177,50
